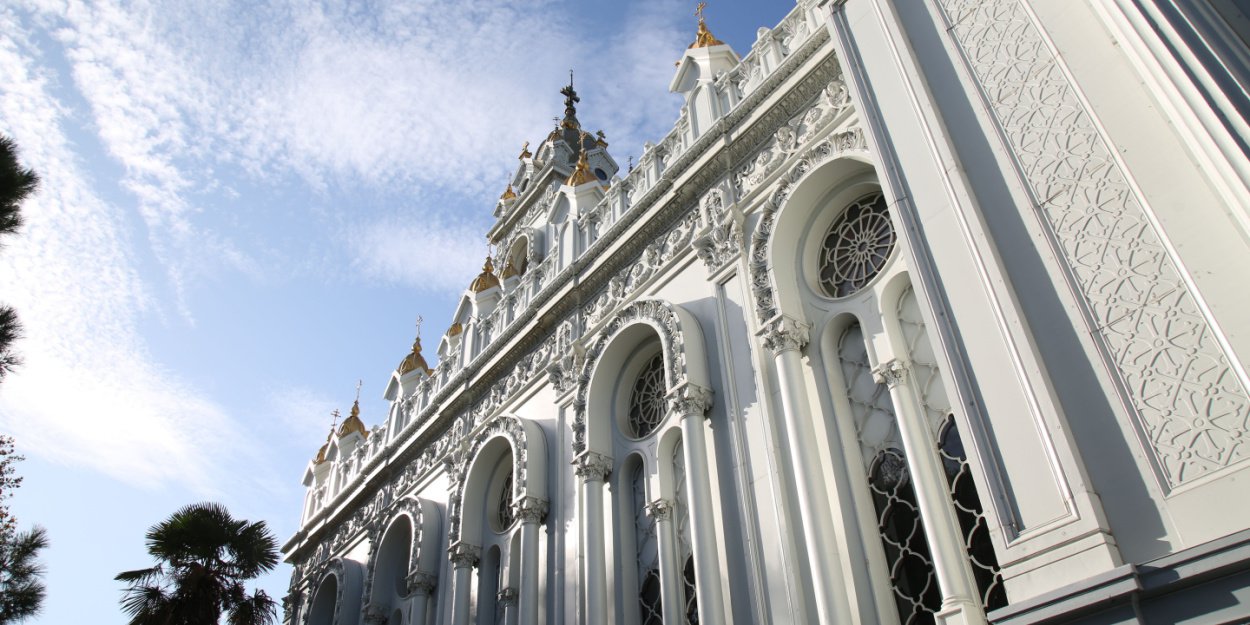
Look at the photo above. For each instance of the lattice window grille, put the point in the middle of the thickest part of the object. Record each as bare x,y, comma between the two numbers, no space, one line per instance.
856,247
504,516
681,516
972,521
650,597
925,374
647,403
907,555
872,411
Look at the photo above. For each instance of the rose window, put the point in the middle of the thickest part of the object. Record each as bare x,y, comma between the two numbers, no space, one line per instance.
646,404
856,247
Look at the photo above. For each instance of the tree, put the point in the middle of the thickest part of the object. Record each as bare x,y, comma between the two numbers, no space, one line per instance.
204,556
21,584
16,184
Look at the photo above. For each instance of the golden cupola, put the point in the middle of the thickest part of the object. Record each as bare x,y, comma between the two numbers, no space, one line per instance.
353,423
321,453
508,193
414,361
581,174
486,279
704,38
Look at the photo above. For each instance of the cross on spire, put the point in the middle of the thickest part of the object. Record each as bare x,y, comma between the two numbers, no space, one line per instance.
334,421
698,10
419,320
358,384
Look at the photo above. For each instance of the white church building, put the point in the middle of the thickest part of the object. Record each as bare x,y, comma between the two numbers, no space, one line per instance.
933,311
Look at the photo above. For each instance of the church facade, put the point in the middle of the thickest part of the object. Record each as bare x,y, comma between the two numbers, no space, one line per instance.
927,312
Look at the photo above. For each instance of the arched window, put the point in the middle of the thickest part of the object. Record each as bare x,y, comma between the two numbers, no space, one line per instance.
647,406
503,507
856,246
681,517
976,534
650,602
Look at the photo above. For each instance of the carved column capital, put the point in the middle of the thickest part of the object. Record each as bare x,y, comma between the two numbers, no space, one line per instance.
690,400
782,334
661,509
592,466
891,373
464,555
374,615
507,597
421,583
531,509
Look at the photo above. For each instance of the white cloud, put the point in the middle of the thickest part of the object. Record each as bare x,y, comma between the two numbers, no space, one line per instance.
428,255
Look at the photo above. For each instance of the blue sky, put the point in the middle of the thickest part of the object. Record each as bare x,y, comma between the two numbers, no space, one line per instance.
244,207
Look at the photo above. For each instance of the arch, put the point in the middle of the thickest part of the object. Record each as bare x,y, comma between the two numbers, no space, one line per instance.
821,167
422,519
685,365
338,593
527,443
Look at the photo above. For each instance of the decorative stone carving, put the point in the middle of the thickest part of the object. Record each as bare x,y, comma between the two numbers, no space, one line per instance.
420,583
658,314
508,427
375,615
464,555
530,509
690,400
1190,404
593,467
507,597
891,373
661,509
720,240
783,334
653,258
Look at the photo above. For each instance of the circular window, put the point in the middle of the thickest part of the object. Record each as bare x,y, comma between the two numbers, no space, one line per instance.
503,516
646,404
600,174
856,247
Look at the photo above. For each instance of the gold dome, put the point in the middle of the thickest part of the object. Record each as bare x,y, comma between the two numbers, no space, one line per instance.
704,38
508,193
455,330
509,270
353,423
321,453
525,151
415,361
581,174
486,279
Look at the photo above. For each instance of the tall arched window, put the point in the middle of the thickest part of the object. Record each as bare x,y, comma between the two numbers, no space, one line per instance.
650,601
681,516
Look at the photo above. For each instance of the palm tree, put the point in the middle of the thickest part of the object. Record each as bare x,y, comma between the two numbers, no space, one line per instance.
204,555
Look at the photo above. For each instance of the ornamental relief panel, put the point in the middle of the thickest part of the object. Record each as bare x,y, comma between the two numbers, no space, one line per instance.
1191,406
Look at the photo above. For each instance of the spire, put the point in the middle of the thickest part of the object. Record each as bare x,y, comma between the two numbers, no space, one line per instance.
704,38
353,422
486,279
581,175
570,104
414,361
321,453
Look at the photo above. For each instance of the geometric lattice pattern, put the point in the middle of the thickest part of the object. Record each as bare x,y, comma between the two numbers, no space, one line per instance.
925,375
1191,406
972,523
681,519
872,412
912,577
650,598
856,247
646,403
503,515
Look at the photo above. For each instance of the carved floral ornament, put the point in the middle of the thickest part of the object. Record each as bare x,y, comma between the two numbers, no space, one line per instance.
662,317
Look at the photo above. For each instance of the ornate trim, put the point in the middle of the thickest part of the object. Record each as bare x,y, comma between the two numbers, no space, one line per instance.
463,555
661,509
530,509
420,583
690,400
512,430
661,316
782,334
336,568
592,467
891,373
1190,405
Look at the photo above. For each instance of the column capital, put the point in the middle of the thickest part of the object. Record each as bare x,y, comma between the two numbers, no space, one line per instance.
463,555
661,509
531,509
374,615
421,583
891,373
507,597
783,333
593,466
690,400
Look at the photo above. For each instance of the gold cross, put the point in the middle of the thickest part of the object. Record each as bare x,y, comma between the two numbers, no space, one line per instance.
698,10
419,320
358,383
335,421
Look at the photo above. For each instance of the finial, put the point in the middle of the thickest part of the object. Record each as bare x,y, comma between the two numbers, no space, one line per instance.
525,151
631,163
358,384
419,320
334,421
704,38
698,10
570,78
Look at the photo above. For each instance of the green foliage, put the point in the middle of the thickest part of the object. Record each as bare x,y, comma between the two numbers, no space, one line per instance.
204,556
16,184
21,574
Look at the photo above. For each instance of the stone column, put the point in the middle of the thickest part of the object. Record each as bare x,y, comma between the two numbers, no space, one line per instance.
670,572
506,599
937,512
691,403
464,558
420,586
593,468
530,511
785,337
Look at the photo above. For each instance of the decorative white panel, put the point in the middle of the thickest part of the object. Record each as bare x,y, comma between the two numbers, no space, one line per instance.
1191,407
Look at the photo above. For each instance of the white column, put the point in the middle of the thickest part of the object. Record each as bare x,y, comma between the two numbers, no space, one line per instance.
670,574
420,586
464,558
506,599
593,468
937,512
531,511
691,403
785,337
